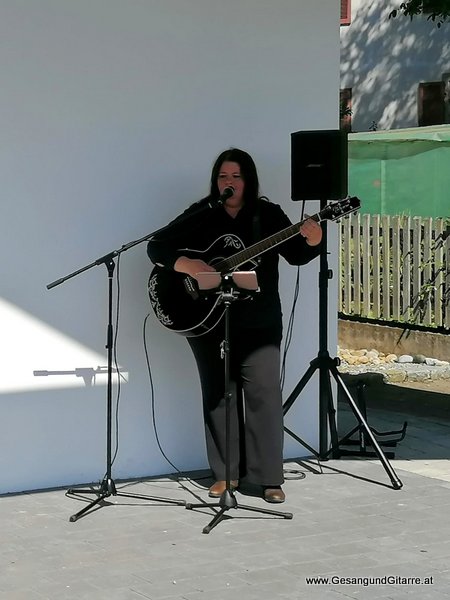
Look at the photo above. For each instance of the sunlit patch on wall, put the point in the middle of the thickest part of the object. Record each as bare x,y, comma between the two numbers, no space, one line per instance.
35,356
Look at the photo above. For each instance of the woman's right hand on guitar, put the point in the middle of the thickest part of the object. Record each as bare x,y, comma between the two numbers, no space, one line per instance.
191,266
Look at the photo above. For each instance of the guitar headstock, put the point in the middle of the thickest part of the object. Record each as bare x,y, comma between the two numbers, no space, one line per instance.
341,208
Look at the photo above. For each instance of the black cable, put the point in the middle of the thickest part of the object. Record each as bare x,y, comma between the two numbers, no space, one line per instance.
290,326
293,474
155,429
289,329
116,363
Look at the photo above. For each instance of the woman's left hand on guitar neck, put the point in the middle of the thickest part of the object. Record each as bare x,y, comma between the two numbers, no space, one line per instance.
312,232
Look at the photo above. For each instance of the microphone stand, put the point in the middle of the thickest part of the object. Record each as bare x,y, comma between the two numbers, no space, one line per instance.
107,487
229,291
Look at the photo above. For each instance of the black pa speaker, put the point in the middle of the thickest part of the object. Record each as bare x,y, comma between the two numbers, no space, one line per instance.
319,165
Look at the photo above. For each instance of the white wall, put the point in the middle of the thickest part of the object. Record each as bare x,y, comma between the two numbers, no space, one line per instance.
112,115
383,60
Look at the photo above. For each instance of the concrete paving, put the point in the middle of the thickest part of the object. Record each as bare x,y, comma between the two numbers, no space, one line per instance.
351,536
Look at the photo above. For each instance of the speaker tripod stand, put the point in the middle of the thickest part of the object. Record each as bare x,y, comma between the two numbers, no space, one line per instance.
229,291
327,368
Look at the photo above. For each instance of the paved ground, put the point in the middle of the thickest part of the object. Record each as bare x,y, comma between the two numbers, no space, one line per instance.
350,527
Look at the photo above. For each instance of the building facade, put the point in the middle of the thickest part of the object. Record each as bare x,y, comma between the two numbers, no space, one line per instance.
395,73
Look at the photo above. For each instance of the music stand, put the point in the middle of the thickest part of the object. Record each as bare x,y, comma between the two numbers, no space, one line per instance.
229,286
107,487
319,172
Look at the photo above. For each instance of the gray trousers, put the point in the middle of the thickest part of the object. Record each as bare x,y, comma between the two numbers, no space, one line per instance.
256,415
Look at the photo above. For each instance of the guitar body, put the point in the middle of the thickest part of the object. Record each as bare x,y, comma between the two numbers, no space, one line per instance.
179,310
176,300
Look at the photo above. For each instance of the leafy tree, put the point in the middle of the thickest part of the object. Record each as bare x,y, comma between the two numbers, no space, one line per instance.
437,10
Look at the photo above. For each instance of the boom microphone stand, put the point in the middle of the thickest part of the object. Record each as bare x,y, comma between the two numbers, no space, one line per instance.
107,487
228,293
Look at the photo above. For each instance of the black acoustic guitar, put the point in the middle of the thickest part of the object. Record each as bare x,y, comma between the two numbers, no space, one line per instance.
175,297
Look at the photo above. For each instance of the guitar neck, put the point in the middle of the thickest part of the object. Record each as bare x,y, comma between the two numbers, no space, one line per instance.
240,258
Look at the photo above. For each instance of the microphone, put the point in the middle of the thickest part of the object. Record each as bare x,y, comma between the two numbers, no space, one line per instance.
227,193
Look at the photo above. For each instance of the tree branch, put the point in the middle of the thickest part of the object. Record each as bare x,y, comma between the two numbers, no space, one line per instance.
438,11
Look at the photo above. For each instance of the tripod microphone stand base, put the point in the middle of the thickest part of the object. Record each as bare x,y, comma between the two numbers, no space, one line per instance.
106,490
228,501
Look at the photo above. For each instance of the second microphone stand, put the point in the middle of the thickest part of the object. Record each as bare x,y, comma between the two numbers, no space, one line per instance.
229,292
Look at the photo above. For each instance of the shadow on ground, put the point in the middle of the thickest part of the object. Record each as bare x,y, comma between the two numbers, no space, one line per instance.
387,407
